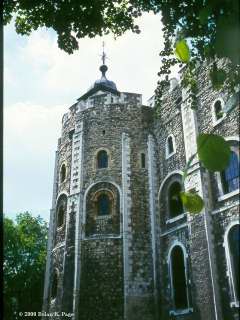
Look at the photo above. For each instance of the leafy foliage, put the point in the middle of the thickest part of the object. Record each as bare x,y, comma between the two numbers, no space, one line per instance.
211,28
182,51
25,245
192,201
197,31
213,151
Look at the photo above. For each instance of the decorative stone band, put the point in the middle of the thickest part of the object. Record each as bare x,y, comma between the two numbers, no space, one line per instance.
126,206
152,174
77,146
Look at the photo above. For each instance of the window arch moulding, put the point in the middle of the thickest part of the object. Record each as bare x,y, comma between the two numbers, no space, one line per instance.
170,146
232,262
217,111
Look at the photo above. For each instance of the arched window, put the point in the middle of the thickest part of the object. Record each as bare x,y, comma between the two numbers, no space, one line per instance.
170,147
175,205
63,173
61,210
103,205
178,279
143,161
60,216
233,240
102,159
218,110
54,286
230,176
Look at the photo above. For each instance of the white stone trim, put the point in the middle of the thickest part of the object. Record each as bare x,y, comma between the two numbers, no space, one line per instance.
167,153
60,245
152,174
180,216
175,172
180,312
214,117
228,195
174,229
60,194
77,141
47,284
190,132
189,123
203,191
126,205
234,302
97,237
232,138
225,208
77,156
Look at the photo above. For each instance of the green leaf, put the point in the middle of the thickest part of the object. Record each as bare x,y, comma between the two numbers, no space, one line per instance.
182,51
213,151
192,201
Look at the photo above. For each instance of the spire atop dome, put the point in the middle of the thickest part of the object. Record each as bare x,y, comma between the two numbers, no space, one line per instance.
103,68
103,83
103,54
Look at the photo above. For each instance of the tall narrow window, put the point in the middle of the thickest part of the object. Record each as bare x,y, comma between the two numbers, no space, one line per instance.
60,216
230,177
143,161
103,205
218,110
170,145
233,245
179,283
63,173
54,286
61,210
102,159
174,201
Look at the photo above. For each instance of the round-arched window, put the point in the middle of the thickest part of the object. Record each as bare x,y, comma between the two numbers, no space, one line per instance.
60,216
102,159
233,243
175,204
230,176
61,210
178,278
103,205
218,110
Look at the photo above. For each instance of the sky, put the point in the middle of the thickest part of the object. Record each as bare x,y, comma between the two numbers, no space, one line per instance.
41,82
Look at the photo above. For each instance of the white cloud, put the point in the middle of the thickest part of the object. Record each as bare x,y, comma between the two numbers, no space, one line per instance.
41,81
30,141
133,60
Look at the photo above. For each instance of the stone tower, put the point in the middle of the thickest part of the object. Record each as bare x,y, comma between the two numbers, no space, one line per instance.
121,246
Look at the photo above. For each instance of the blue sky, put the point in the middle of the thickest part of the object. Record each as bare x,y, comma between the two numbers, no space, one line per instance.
41,82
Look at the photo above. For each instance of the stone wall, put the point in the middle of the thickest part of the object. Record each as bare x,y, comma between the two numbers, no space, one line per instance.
117,267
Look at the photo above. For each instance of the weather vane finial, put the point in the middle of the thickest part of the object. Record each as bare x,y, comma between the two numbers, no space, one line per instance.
103,53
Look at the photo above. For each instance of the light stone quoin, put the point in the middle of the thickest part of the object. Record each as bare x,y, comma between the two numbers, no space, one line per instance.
125,233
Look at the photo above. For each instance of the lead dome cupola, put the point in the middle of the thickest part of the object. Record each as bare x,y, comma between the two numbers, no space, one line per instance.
102,84
103,80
